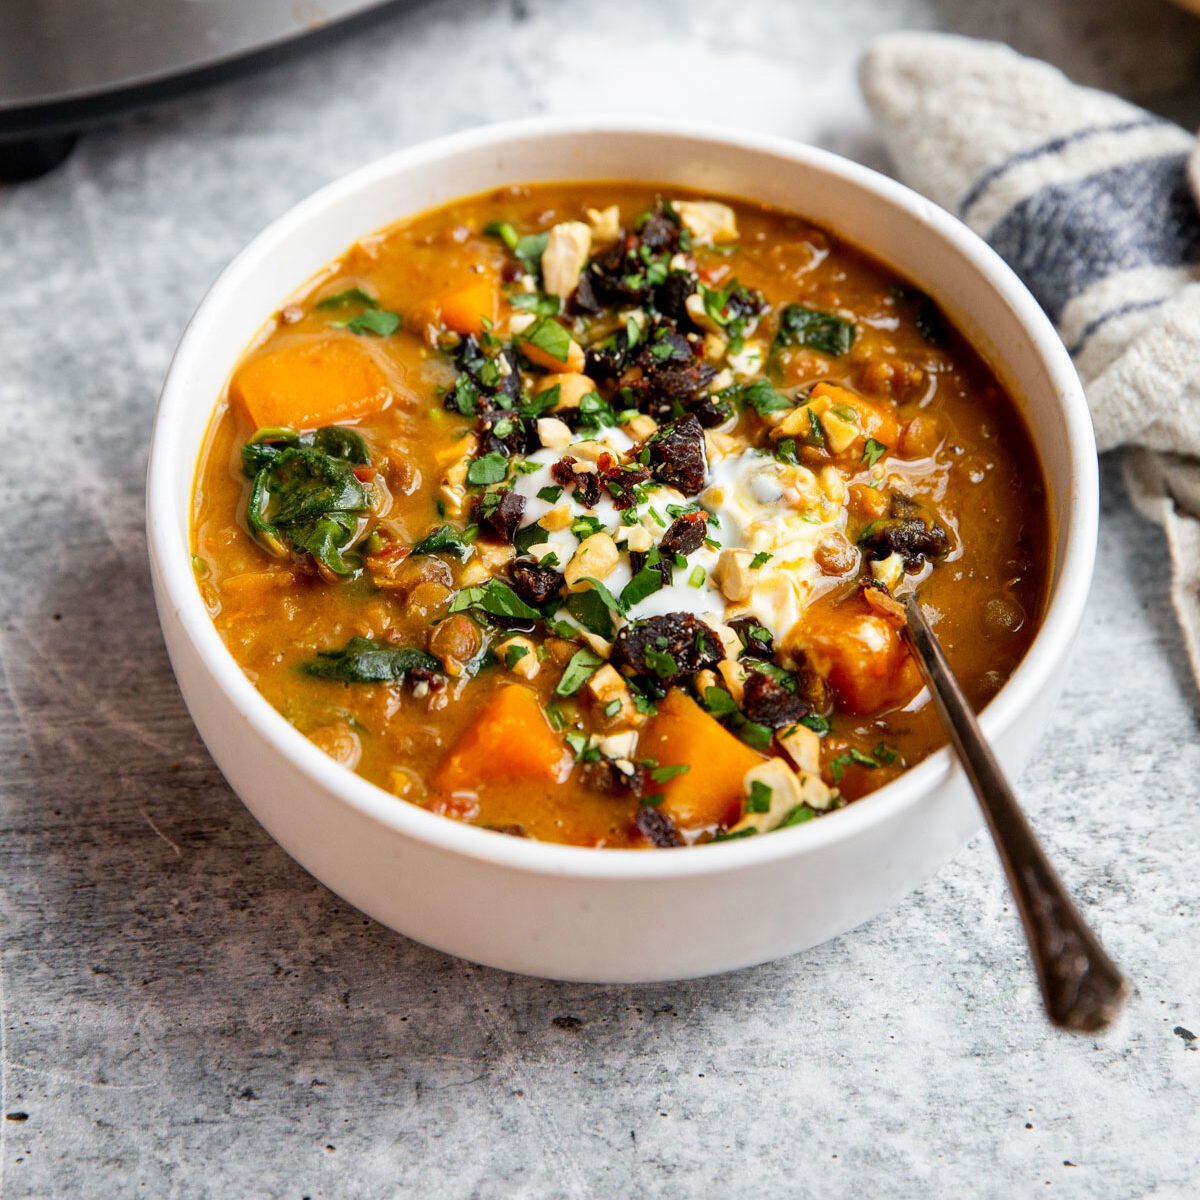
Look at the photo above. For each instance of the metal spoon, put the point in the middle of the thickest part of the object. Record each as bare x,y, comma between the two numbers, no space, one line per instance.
1081,987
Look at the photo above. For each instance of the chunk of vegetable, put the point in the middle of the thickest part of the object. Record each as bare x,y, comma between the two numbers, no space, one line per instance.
861,655
509,741
311,380
710,791
464,309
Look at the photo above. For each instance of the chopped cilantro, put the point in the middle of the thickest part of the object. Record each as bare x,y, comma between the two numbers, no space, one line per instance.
550,493
496,598
583,527
665,774
590,610
759,800
354,295
488,468
760,560
645,583
375,321
513,655
759,395
852,757
873,451
549,337
797,816
578,671
661,663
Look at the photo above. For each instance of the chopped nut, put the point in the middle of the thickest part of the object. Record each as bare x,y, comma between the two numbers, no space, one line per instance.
553,433
734,575
704,680
589,451
641,427
567,247
748,361
559,517
888,571
635,537
708,220
787,790
607,685
734,675
721,445
453,497
715,347
833,484
839,433
803,747
796,423
605,223
521,321
622,744
572,387
596,557
526,665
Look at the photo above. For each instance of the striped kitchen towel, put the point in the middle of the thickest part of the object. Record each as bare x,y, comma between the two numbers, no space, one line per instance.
1093,201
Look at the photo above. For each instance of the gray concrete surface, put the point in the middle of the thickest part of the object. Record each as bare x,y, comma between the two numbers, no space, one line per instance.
187,1014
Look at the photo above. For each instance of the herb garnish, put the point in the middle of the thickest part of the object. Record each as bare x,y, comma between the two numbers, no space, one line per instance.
364,661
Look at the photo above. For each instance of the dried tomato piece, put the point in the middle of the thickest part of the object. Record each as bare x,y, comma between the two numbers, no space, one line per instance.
677,455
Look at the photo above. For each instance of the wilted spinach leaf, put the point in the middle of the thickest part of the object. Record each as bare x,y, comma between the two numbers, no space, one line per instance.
822,331
305,492
364,661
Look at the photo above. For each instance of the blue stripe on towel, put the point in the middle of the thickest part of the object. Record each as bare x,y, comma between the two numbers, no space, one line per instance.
1066,238
1121,310
1053,146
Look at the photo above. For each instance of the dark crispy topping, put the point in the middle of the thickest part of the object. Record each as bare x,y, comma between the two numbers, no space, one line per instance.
535,585
906,531
657,828
485,382
670,298
606,360
772,697
686,535
620,480
499,513
677,455
605,776
505,432
756,639
667,648
585,483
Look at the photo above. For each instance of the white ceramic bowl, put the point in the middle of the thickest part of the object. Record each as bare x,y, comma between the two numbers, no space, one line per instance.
613,915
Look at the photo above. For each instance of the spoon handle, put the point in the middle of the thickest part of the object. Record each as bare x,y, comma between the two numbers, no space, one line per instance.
1081,986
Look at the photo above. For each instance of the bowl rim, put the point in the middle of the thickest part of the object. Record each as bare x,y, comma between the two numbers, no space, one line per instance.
171,561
